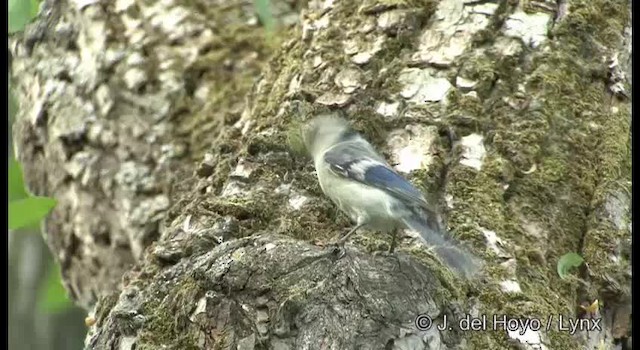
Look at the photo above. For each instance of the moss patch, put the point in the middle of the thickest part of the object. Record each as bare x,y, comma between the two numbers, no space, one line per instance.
168,318
558,148
553,152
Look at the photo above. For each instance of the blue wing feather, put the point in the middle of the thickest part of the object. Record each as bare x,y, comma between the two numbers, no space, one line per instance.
358,161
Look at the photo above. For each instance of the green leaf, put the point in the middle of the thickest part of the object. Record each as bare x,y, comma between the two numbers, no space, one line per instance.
16,184
53,297
567,262
29,211
35,8
20,13
263,9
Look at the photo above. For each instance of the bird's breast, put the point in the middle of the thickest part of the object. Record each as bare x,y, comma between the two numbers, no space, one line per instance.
360,202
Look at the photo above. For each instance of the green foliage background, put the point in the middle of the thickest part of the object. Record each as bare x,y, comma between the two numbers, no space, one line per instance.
263,10
21,12
567,262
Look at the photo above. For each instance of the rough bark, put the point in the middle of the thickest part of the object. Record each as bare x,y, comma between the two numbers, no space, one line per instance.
117,99
112,126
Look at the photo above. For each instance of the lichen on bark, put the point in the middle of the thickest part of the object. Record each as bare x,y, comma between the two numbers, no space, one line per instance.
538,167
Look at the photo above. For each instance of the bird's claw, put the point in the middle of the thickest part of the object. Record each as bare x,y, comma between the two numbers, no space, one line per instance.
332,248
336,248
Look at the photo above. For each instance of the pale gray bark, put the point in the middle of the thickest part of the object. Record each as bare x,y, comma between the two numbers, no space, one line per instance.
114,105
115,127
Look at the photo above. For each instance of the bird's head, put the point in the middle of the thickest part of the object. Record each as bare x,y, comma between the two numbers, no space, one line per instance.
324,131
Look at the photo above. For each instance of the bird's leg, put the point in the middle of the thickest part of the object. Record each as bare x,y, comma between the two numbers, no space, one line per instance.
394,235
336,213
348,234
338,245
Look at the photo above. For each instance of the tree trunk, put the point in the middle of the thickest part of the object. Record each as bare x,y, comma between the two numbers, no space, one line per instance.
146,122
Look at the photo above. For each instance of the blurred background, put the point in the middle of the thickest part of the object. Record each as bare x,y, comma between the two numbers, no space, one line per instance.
40,314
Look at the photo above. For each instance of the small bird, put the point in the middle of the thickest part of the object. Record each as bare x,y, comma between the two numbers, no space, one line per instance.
363,186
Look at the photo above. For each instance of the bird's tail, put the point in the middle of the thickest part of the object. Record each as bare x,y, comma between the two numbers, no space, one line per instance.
451,253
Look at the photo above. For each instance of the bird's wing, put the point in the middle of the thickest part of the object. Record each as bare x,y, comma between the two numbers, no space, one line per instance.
358,161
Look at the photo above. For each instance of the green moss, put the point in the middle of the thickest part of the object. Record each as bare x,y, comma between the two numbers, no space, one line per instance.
451,289
593,21
482,69
294,139
168,319
104,306
274,108
546,168
373,6
561,151
236,45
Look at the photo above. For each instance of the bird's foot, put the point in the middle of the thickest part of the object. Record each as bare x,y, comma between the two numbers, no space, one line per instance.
336,247
331,248
333,245
338,242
